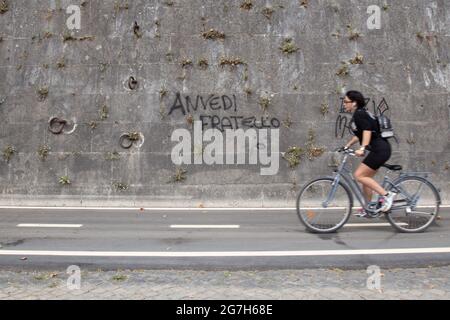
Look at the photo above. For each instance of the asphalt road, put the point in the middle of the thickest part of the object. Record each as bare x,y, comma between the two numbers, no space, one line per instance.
232,240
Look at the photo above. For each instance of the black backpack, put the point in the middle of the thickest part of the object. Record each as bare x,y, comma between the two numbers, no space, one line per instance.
385,127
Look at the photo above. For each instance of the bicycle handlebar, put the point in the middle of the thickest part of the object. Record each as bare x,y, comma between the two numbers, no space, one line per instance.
349,151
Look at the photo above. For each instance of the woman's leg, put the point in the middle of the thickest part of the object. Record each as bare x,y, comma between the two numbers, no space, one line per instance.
364,175
368,193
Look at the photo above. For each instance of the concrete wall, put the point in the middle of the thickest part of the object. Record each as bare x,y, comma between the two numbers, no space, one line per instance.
406,62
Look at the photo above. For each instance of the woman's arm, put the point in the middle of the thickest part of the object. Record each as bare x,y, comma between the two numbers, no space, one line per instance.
352,142
366,140
367,135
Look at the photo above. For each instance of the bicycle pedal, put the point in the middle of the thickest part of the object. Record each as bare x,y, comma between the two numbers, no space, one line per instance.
361,215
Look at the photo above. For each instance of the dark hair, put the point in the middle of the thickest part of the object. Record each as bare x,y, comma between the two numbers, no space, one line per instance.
357,97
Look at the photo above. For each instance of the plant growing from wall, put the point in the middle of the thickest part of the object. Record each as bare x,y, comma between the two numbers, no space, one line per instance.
42,93
137,30
61,63
352,33
343,71
247,5
324,109
186,63
268,12
104,112
288,46
43,152
232,62
111,156
119,277
213,34
120,186
203,63
264,102
312,150
287,122
358,59
8,153
134,136
119,6
64,180
4,6
180,175
293,156
162,93
93,124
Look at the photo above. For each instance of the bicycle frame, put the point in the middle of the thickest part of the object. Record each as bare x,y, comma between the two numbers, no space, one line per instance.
344,173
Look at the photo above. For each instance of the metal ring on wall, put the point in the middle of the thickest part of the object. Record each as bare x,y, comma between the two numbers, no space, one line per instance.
59,123
125,137
132,83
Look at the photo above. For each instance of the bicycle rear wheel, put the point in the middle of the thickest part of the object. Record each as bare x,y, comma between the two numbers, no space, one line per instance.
324,207
416,205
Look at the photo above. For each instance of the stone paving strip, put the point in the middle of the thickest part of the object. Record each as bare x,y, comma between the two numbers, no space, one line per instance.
431,283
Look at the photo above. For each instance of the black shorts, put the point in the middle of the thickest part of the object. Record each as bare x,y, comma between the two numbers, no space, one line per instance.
380,153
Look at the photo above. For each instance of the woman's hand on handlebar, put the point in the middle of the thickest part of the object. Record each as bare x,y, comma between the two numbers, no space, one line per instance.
360,153
344,149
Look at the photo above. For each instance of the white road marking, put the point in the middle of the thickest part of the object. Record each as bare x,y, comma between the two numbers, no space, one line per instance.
42,225
358,225
171,209
193,226
29,253
144,208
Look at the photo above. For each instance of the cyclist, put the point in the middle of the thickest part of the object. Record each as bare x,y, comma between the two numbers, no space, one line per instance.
365,129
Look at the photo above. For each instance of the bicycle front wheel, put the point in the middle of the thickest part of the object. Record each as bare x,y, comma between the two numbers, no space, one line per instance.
416,205
324,206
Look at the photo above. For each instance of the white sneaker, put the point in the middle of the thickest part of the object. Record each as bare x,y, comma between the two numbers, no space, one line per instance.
387,202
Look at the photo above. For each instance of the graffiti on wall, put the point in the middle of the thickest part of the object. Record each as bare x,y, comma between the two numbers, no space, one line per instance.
232,119
344,118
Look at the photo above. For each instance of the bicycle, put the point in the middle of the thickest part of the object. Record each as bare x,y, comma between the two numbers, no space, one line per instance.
324,205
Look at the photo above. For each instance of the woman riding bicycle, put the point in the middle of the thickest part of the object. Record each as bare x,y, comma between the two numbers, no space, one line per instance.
367,134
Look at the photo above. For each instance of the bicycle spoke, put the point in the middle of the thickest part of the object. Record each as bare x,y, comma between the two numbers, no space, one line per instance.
416,206
312,212
421,213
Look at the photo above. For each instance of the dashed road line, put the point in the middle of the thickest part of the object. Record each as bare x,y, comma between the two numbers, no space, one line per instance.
43,225
197,226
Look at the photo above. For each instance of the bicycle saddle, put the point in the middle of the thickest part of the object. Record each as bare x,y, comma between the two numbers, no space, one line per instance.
393,167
